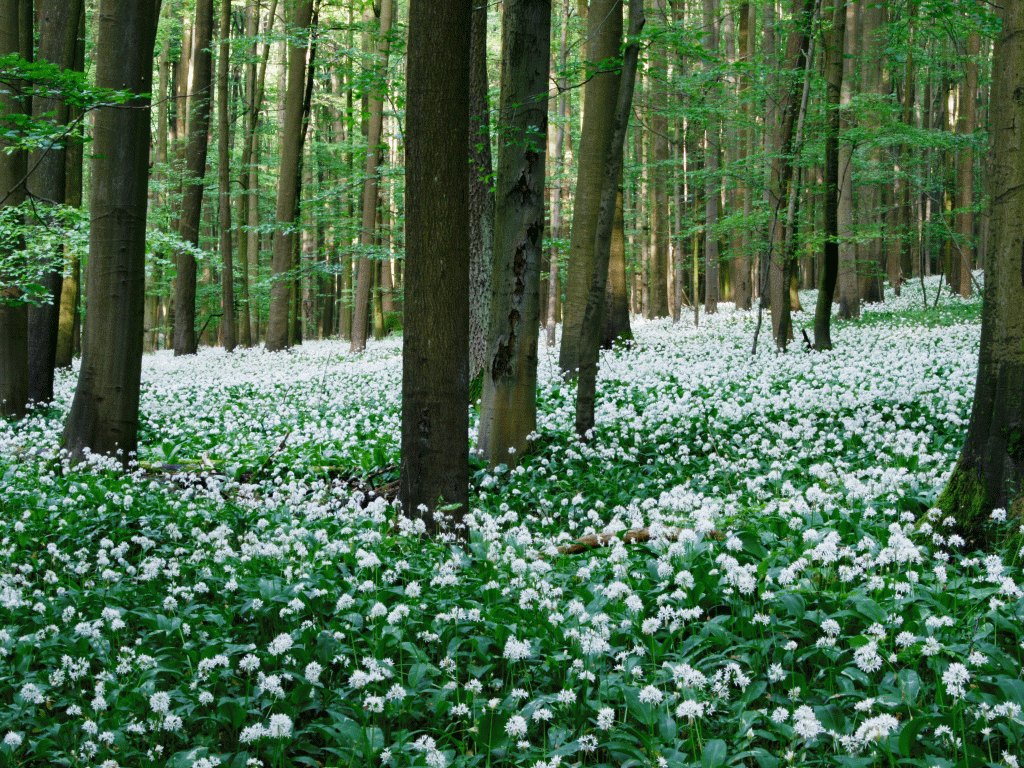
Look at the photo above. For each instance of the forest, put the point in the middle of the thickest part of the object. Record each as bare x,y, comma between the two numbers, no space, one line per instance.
541,383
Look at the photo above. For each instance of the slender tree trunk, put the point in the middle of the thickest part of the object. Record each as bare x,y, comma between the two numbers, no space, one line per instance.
604,36
990,471
616,313
712,182
849,281
508,413
435,359
659,155
590,332
834,46
68,322
558,191
907,234
782,187
370,186
481,195
742,289
104,415
965,172
292,135
224,178
195,169
58,34
13,165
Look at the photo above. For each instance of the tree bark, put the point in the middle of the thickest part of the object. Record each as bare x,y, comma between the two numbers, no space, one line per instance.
435,359
364,272
13,165
508,413
224,179
590,332
990,470
834,41
712,182
104,414
481,195
58,34
849,282
195,170
559,192
965,171
742,290
781,187
616,312
604,36
292,137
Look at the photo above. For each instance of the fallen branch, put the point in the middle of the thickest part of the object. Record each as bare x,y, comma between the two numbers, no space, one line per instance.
635,536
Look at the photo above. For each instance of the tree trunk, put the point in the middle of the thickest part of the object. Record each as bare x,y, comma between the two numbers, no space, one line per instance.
834,57
965,172
292,136
435,359
590,332
364,273
481,195
58,34
195,170
104,415
785,144
742,289
223,170
604,36
712,182
616,313
68,322
13,164
508,413
559,194
849,282
990,471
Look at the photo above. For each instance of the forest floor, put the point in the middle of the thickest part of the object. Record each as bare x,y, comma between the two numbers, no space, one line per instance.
236,599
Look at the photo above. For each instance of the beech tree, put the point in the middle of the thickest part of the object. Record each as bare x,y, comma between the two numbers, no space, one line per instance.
57,33
13,312
990,471
104,416
289,179
201,66
508,412
435,345
604,36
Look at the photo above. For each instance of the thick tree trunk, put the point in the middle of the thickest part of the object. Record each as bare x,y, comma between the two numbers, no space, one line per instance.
481,195
435,359
58,34
104,415
604,36
292,136
508,413
195,171
590,332
224,174
990,471
834,57
364,273
13,164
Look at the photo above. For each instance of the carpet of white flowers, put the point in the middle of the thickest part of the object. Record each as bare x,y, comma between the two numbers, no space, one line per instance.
236,600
